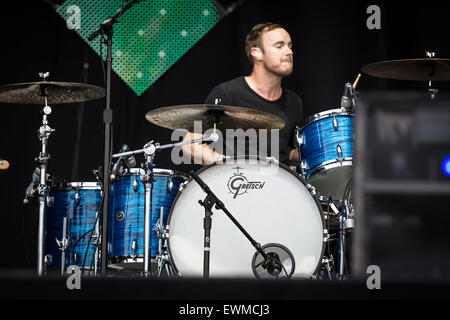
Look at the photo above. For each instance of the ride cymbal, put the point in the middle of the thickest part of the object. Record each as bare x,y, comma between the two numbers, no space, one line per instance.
56,92
410,69
225,117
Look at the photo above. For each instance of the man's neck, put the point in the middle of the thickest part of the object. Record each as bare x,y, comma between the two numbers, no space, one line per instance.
267,85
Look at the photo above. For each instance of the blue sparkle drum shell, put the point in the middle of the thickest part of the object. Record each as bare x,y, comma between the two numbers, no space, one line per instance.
325,145
126,216
78,203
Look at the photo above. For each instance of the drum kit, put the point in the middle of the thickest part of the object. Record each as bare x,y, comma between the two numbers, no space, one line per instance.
271,221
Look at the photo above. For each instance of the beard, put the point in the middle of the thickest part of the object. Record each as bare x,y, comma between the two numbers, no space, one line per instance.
281,69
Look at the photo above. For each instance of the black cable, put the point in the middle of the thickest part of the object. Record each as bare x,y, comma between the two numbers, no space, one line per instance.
99,212
89,231
347,188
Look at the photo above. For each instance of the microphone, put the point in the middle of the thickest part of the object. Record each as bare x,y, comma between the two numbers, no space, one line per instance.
274,265
129,161
277,262
52,5
348,96
30,192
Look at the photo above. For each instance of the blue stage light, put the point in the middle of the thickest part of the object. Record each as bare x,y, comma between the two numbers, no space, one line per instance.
446,166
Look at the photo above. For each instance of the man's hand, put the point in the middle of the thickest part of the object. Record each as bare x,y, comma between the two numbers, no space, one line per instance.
293,155
200,153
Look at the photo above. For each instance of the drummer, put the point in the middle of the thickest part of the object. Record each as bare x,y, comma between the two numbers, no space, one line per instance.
269,49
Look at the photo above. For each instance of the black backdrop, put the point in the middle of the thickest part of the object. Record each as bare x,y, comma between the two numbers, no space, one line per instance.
330,41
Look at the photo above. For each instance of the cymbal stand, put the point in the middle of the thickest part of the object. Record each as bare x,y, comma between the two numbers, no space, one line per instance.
162,257
432,91
43,189
63,245
149,150
346,222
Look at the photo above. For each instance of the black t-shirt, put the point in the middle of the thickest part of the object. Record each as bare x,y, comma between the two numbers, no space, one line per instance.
288,107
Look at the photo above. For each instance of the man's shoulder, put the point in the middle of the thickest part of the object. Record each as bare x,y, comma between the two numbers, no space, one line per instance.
291,94
293,100
231,84
225,91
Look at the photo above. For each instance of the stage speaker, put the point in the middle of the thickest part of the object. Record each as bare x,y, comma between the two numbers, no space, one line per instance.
401,185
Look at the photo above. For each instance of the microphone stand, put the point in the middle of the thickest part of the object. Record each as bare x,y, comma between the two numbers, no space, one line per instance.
106,28
210,201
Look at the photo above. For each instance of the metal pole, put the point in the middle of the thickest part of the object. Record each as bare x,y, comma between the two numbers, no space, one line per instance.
44,133
148,214
107,119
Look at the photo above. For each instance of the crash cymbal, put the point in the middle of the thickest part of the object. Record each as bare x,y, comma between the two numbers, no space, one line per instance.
410,69
57,92
225,117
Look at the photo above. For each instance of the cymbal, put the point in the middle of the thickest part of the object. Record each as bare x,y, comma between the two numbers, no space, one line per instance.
410,69
56,92
225,117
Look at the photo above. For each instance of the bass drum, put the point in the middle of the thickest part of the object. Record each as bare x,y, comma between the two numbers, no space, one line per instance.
271,202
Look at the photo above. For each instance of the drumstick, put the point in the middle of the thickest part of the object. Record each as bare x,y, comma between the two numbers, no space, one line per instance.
356,81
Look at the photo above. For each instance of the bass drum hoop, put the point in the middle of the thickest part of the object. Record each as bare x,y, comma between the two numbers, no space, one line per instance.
256,158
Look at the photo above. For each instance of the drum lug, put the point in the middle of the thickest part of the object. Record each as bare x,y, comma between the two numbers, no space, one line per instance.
335,124
135,185
75,258
326,235
77,198
48,259
50,201
165,233
311,189
304,165
272,160
300,139
182,185
170,185
329,260
339,153
134,246
328,263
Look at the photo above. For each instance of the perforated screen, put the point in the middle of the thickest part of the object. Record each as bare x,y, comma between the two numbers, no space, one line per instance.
149,38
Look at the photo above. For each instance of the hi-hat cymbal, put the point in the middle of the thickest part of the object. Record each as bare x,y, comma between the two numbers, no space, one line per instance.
56,92
225,117
410,69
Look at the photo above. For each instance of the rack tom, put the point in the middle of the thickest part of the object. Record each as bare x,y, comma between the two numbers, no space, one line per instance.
325,145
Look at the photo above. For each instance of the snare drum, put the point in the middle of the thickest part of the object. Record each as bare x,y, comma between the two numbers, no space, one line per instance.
126,215
272,204
71,226
325,146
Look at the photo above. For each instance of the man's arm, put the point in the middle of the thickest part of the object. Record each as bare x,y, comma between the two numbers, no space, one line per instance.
200,153
293,155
